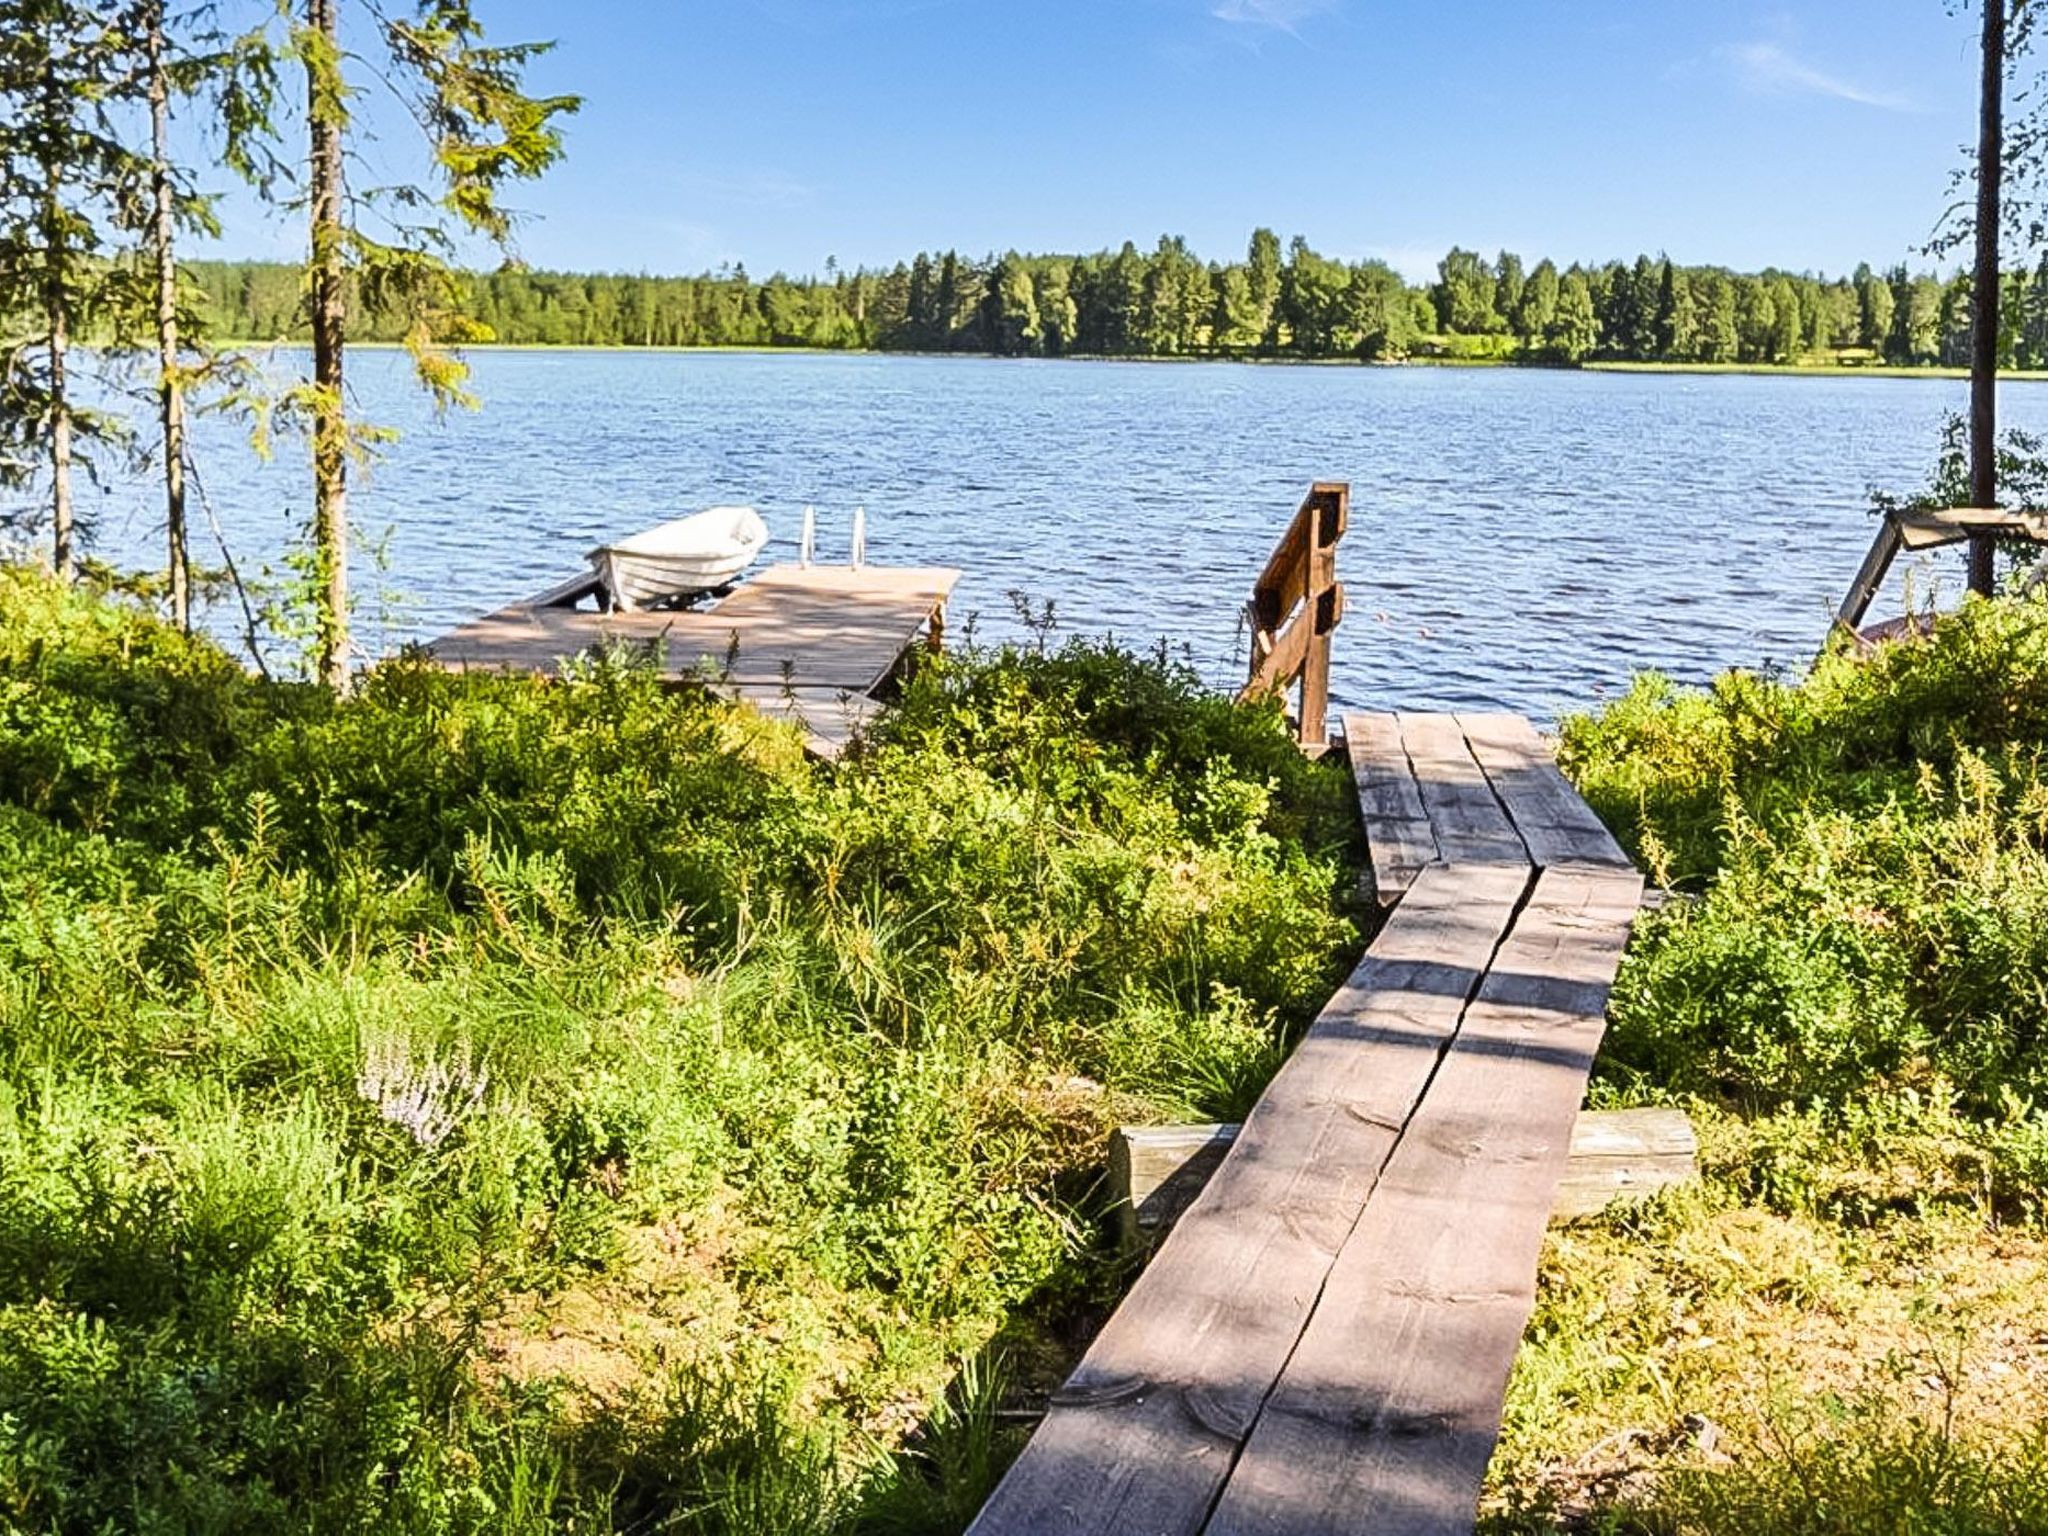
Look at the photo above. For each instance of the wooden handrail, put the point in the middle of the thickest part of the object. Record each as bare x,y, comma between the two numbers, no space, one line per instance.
1296,604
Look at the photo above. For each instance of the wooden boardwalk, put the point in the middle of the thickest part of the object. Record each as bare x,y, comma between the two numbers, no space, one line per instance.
805,643
1323,1341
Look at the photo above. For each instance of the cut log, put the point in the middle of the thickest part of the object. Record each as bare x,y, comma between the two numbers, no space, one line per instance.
1156,1171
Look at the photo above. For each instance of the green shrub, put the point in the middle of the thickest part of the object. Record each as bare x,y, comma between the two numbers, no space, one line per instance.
343,1045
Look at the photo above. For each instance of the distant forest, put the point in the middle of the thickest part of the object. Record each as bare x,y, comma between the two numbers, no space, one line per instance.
1168,302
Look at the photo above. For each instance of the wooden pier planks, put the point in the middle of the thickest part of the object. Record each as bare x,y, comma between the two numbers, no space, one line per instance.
1477,788
804,627
1284,1367
1386,1415
1399,837
1557,826
808,644
1146,1430
1470,823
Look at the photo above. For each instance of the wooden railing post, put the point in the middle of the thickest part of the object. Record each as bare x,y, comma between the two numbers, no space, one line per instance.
1296,605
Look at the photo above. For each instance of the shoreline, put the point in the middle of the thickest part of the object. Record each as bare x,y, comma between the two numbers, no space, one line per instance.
1765,370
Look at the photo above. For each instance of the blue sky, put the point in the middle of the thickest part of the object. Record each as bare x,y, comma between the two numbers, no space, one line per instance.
780,132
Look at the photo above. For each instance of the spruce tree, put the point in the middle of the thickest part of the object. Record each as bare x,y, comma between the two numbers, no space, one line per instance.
62,170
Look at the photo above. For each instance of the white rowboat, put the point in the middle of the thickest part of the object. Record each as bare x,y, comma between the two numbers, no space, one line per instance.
676,559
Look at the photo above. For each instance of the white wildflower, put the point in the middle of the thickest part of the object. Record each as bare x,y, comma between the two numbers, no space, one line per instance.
428,1097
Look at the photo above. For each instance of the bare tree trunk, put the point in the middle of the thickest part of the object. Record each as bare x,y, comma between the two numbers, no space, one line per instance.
330,428
62,516
1984,292
170,390
57,318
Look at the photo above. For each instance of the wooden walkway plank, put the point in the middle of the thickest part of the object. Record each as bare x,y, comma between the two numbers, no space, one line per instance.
799,627
1387,1413
1556,824
830,718
1471,825
1397,831
1147,1429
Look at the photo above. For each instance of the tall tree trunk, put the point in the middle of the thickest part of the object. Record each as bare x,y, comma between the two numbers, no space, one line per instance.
57,322
330,427
62,516
1984,292
170,390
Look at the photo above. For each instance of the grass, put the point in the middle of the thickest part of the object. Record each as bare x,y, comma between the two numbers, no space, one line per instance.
1844,1326
495,1105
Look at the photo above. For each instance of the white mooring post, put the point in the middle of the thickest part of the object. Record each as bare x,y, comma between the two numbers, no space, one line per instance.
808,543
860,537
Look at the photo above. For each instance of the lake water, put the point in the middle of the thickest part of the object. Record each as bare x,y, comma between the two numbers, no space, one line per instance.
1523,539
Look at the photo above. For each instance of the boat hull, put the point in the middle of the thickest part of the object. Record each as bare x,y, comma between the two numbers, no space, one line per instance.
680,559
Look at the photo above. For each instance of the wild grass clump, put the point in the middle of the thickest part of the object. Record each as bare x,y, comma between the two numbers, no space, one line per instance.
486,1104
1837,1329
1870,853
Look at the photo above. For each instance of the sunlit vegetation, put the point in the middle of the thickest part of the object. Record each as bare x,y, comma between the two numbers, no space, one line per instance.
497,1104
1840,1329
1169,302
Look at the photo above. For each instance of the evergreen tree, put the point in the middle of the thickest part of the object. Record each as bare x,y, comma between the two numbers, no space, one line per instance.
1720,337
946,301
63,169
1054,300
1538,307
1574,330
2033,309
1238,326
1677,331
1262,278
1012,327
922,319
1508,284
1123,295
171,66
1953,323
1645,285
1616,306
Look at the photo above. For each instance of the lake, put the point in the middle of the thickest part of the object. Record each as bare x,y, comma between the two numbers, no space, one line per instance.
1519,538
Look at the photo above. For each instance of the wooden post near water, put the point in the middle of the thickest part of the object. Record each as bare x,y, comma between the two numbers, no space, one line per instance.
1296,605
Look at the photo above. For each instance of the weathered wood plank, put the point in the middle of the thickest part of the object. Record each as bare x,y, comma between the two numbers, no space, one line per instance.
1390,1406
1555,823
1146,1430
815,627
572,590
1470,823
1877,560
1624,1154
830,718
1156,1171
1397,831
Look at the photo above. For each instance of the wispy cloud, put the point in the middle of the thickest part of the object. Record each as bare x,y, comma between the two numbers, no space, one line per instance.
1771,69
1280,15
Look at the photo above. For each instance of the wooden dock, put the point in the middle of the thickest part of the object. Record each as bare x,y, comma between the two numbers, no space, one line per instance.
810,644
1323,1341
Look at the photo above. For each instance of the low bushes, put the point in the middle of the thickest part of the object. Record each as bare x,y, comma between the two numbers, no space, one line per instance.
484,1104
1838,1329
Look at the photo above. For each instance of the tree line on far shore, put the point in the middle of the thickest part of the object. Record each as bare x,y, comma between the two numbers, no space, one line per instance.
1168,302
